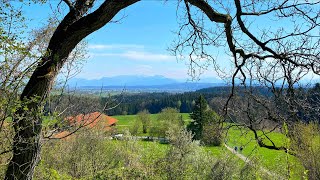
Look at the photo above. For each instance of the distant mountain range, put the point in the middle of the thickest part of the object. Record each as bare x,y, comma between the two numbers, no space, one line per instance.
135,80
124,80
139,83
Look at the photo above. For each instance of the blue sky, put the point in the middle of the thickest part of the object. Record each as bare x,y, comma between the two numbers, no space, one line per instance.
137,45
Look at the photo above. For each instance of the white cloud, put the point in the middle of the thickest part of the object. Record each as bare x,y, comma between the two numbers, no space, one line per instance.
137,55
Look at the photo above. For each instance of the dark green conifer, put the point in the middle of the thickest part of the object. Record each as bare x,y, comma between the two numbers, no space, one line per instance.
198,116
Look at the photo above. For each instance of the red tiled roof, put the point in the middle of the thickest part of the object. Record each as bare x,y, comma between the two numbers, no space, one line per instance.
89,120
92,119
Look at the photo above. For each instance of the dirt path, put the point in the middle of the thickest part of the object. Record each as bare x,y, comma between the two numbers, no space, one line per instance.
247,160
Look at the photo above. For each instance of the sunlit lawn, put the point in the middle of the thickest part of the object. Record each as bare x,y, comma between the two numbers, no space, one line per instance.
273,160
276,161
126,121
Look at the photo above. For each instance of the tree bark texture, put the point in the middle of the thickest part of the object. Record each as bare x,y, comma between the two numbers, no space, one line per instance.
75,26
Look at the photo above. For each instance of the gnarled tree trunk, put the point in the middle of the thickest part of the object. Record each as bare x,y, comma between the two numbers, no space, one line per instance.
75,26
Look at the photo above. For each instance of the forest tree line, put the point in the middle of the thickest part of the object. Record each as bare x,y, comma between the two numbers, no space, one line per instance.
129,104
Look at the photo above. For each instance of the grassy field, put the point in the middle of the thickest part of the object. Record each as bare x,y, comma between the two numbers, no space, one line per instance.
273,160
126,121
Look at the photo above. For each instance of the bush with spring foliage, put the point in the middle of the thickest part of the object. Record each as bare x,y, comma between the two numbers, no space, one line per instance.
305,142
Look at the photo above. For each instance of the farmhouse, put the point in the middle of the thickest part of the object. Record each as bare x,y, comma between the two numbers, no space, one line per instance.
92,120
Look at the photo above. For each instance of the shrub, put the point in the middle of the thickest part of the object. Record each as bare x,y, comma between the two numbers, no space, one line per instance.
121,173
185,159
305,142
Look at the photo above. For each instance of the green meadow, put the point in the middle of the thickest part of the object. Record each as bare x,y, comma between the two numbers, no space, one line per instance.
267,158
126,121
274,161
